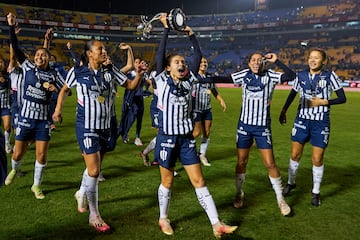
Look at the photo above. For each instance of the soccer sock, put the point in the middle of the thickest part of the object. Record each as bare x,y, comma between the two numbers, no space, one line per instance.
292,170
92,195
277,186
206,201
38,173
7,137
318,173
204,145
164,196
82,188
239,182
150,146
15,165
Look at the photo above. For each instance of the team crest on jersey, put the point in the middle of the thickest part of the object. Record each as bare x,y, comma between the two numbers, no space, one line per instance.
322,82
107,77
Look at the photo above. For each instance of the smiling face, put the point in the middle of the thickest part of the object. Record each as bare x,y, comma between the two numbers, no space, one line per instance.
177,67
41,58
203,65
316,61
255,62
97,53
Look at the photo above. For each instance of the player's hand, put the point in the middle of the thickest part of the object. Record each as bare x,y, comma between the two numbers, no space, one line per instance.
271,57
57,117
163,19
282,117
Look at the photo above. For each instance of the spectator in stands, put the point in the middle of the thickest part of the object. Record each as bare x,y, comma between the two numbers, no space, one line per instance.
312,122
258,84
174,139
132,109
33,124
202,109
94,85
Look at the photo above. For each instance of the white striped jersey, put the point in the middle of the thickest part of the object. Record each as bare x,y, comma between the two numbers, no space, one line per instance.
95,94
17,84
174,104
256,95
5,92
202,95
320,85
36,99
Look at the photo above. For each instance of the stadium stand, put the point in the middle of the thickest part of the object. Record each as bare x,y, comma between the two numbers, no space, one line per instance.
226,39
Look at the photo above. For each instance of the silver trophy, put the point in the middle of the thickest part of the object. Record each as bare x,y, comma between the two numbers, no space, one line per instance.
175,20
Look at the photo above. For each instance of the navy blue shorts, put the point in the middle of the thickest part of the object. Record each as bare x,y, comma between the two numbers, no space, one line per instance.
315,131
5,112
169,148
203,115
31,129
247,133
92,140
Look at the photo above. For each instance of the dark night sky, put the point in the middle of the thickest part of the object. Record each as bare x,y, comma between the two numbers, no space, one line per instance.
190,7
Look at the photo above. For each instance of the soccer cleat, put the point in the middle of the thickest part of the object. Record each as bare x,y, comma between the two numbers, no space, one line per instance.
99,224
221,229
10,177
155,163
8,148
145,159
239,201
165,226
284,208
204,160
36,189
81,201
126,140
101,177
288,188
138,142
315,199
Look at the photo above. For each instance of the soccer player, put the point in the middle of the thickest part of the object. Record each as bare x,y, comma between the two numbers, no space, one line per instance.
174,139
258,84
33,124
202,109
94,86
132,108
5,108
312,122
154,113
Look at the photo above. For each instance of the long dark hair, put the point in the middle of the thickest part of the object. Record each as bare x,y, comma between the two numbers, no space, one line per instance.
83,57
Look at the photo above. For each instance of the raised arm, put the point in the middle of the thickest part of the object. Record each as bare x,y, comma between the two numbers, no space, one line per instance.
160,53
288,75
48,38
130,57
73,56
197,51
19,54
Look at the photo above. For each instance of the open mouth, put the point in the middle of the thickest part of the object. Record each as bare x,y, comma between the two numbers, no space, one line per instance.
183,72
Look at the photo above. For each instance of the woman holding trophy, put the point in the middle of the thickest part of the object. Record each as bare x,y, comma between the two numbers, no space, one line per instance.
174,84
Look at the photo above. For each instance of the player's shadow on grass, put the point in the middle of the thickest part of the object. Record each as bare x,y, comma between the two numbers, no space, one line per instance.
337,181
